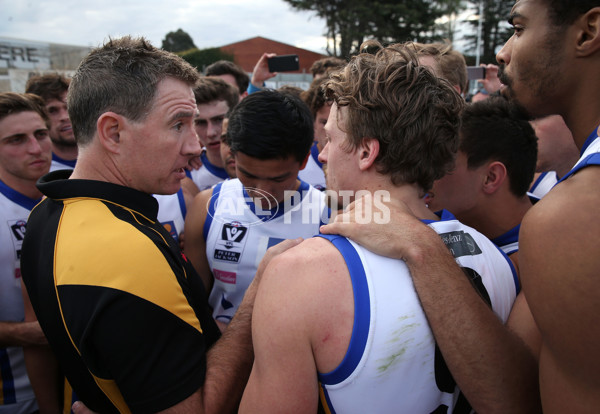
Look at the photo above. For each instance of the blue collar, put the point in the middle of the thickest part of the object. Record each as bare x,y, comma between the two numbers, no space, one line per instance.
218,171
17,197
70,163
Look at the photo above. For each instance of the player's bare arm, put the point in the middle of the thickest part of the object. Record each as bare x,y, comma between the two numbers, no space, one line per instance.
564,293
298,328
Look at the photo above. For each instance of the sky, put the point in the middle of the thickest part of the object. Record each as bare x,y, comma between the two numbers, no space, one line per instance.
210,23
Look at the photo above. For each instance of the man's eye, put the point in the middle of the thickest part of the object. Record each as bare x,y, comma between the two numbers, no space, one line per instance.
41,134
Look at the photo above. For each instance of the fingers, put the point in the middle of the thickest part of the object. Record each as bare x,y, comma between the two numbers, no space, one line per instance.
80,408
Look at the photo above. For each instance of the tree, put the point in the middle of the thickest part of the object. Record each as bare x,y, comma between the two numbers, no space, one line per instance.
494,31
349,22
201,58
178,41
447,24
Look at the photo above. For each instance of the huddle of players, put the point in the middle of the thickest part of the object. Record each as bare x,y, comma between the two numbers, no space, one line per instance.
228,243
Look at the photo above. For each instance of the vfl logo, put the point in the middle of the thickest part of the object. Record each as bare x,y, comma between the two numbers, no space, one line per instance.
233,233
231,244
18,230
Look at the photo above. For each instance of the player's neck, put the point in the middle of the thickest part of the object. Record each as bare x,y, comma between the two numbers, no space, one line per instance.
214,160
495,218
21,185
65,152
584,116
412,195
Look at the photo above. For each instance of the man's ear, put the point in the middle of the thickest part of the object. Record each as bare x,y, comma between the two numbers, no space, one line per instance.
109,129
367,153
495,177
588,36
303,165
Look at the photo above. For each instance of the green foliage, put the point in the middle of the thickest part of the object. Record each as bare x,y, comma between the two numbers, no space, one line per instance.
178,41
350,22
201,58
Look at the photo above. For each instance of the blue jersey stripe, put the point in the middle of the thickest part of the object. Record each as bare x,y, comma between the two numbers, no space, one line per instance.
182,203
362,312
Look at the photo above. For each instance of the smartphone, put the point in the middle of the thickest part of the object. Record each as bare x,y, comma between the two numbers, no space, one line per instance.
476,72
283,63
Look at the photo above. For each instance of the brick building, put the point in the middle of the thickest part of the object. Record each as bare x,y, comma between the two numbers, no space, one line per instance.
247,52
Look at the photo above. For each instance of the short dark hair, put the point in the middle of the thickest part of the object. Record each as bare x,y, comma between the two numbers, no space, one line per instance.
271,125
121,76
413,114
14,103
314,96
498,130
48,86
564,12
212,88
226,67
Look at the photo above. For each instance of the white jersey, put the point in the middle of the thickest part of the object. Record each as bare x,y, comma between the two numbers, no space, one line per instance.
171,212
313,171
392,363
208,175
16,394
543,184
60,164
238,234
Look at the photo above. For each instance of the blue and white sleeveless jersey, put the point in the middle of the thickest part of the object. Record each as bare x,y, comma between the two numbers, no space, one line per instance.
171,212
509,241
590,155
313,171
392,363
208,175
238,234
543,184
61,164
16,394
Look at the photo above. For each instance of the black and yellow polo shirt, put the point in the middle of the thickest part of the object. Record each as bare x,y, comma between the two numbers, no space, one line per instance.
123,309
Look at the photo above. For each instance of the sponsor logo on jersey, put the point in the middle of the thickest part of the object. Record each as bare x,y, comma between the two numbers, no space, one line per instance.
460,244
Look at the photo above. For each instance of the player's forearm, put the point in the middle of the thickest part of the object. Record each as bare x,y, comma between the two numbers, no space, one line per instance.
229,362
491,365
21,334
45,378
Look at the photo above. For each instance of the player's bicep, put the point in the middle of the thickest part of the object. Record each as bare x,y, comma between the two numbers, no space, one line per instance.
284,375
559,272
